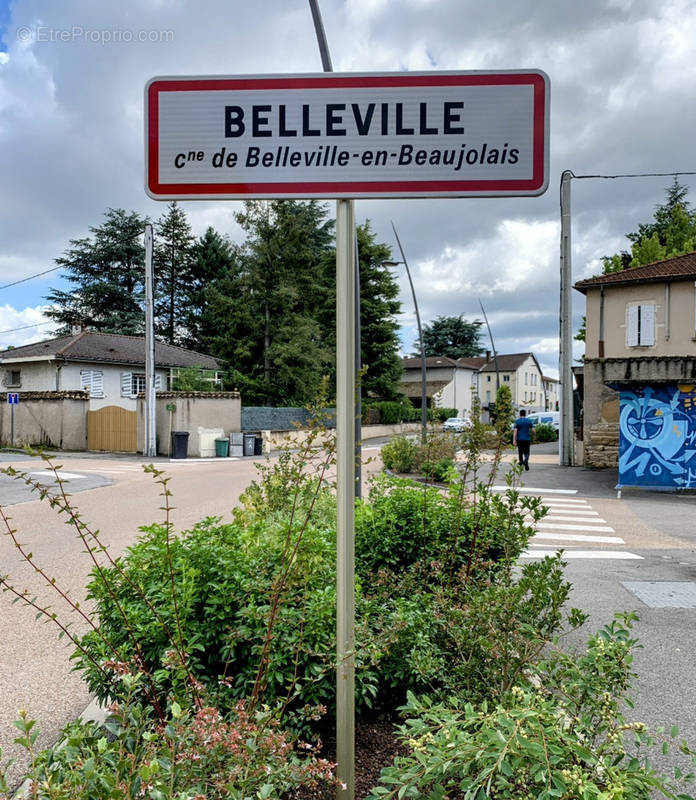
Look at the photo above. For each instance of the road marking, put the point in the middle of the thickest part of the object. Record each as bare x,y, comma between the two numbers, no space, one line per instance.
553,517
571,554
564,526
579,537
533,490
64,476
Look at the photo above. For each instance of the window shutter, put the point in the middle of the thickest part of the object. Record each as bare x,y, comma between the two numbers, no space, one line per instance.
632,326
158,383
86,380
97,383
647,325
126,384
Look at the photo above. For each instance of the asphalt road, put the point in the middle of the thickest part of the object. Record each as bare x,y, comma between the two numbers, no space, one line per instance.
113,493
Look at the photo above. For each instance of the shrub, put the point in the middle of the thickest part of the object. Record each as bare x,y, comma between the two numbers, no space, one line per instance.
437,446
439,471
561,736
399,454
194,754
545,433
390,411
441,414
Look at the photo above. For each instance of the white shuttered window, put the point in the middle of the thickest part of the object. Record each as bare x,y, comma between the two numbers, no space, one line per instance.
640,325
92,381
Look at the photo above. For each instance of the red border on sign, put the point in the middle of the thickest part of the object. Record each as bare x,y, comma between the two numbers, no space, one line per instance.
347,188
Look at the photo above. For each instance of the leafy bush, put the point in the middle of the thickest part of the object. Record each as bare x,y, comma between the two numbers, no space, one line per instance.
390,411
439,471
437,446
441,414
399,454
193,754
545,433
561,735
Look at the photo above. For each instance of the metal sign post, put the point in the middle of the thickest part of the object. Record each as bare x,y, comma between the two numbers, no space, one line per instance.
150,447
345,496
12,400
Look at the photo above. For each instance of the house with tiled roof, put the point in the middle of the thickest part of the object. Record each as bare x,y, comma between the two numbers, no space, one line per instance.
110,367
87,391
450,383
639,372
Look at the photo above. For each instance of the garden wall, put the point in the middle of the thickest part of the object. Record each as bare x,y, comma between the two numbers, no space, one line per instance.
47,419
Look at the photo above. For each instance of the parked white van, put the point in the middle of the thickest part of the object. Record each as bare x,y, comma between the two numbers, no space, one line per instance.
545,418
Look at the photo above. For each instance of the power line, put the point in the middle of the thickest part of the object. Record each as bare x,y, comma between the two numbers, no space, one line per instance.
633,175
26,327
22,280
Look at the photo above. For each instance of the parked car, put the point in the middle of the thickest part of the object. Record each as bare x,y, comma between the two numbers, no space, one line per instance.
457,424
545,418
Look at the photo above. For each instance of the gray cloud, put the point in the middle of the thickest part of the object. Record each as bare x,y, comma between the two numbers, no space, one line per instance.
71,120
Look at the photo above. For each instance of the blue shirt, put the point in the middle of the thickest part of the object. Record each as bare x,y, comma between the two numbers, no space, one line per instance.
524,426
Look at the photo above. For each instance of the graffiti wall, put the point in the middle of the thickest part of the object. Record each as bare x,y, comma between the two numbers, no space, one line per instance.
657,436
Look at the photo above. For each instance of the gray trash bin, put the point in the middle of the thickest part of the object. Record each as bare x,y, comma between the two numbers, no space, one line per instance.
249,441
179,448
236,444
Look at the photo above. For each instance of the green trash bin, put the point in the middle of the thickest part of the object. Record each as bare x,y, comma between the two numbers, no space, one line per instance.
222,448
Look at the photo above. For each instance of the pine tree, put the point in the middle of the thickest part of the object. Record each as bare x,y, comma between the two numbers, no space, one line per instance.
173,274
107,271
213,258
453,337
671,233
268,306
379,308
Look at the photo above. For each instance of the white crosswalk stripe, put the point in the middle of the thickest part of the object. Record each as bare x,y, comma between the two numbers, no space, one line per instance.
569,524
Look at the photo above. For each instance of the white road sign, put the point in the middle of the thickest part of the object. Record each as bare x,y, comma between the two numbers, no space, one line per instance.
434,134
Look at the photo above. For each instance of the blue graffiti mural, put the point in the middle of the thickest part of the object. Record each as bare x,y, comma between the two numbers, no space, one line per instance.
657,437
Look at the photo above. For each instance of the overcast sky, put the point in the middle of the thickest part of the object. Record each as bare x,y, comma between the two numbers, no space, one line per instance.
622,75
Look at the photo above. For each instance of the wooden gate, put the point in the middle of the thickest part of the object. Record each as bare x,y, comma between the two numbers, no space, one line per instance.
112,429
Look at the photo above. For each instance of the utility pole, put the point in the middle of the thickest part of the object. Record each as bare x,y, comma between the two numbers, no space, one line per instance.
565,370
150,444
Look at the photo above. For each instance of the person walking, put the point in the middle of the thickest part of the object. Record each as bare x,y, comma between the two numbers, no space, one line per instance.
522,437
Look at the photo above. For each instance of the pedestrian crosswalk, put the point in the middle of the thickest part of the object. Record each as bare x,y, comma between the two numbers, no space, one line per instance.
572,525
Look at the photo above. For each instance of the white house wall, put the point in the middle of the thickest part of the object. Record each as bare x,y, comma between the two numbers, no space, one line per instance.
51,376
35,376
457,393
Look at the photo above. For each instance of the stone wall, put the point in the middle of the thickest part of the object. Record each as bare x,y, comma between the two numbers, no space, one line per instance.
46,419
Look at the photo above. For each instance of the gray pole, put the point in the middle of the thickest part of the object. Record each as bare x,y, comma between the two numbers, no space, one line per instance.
327,67
565,448
345,498
150,445
495,352
424,373
347,459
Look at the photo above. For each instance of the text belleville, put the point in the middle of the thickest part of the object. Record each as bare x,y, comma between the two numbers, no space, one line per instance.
382,119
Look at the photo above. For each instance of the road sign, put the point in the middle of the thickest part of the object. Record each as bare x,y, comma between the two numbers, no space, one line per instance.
434,134
13,398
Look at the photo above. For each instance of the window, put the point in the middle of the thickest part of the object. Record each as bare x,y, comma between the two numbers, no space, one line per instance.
138,382
506,379
92,381
488,378
13,377
526,378
133,383
488,396
640,325
525,397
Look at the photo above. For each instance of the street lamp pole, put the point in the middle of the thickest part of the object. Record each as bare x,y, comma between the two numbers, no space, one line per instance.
424,395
